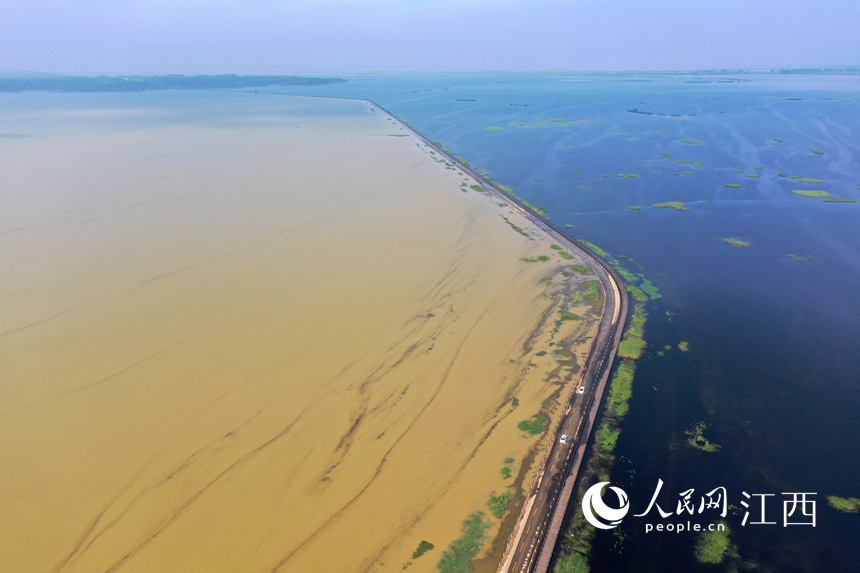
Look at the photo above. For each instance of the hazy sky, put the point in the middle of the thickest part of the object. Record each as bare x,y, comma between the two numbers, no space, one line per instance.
281,36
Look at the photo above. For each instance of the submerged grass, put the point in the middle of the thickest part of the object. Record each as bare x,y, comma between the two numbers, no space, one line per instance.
712,546
677,205
735,242
631,347
423,548
800,179
844,504
537,425
696,438
458,557
814,194
498,504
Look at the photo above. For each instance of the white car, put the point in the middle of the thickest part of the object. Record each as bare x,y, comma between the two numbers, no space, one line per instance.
563,439
581,390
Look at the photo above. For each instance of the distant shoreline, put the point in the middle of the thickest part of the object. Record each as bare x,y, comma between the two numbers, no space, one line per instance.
113,84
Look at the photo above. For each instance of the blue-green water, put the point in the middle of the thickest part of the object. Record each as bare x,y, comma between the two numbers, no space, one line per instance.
774,340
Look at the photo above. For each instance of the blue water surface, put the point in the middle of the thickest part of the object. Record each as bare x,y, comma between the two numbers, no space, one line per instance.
773,357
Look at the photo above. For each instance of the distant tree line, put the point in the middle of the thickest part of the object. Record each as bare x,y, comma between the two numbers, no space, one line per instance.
144,83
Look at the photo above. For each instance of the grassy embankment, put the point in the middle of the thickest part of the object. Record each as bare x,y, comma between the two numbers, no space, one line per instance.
577,540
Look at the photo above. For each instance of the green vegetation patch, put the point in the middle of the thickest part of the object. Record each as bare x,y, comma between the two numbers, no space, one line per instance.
637,293
735,242
696,438
595,249
634,208
458,557
814,194
537,425
631,347
677,205
712,546
737,170
565,255
498,504
538,259
845,504
753,175
781,174
693,141
684,346
607,436
494,128
834,200
800,179
652,291
621,390
570,316
555,247
582,269
628,277
423,548
591,290
817,151
628,175
733,185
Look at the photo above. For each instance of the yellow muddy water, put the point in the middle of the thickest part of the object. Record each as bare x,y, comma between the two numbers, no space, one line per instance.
279,339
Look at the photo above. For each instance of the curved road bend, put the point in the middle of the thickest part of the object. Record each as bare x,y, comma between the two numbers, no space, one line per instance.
536,532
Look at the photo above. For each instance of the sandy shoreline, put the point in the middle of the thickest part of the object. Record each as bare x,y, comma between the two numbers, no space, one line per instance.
283,341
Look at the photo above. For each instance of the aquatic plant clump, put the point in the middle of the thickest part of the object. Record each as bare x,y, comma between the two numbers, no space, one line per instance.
814,194
498,504
733,185
696,438
800,179
735,242
712,546
423,548
535,426
676,205
844,504
458,557
834,200
631,347
693,142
